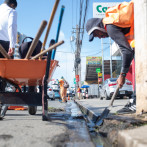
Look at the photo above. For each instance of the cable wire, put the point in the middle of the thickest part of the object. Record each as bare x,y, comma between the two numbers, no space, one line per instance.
96,53
85,14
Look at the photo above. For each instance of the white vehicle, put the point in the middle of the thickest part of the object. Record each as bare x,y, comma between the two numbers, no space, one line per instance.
55,86
69,92
93,90
109,86
51,93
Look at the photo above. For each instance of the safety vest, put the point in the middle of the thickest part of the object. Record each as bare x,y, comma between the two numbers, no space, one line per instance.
61,82
122,15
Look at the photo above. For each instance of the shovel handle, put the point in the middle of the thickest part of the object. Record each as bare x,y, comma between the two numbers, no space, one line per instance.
4,53
47,50
114,96
50,22
36,39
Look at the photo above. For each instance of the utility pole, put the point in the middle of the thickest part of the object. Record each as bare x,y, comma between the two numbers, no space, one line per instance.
140,17
78,58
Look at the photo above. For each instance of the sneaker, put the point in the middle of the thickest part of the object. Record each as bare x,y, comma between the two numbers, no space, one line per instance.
128,105
60,100
128,108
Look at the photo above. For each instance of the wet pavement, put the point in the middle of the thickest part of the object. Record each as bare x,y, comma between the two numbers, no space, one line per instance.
64,128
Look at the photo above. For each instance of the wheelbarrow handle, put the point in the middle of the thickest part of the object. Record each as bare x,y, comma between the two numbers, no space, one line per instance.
36,39
47,50
4,53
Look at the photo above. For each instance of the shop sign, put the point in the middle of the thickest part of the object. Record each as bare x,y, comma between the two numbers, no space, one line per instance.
98,70
99,74
94,60
77,78
99,9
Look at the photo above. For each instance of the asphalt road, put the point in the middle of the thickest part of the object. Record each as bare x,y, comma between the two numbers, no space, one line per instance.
65,128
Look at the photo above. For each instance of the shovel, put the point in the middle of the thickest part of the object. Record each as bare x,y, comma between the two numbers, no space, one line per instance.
105,113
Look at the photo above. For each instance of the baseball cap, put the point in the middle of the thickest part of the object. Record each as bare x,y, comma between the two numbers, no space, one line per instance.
94,24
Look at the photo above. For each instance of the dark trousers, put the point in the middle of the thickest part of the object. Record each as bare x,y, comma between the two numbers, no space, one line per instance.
5,45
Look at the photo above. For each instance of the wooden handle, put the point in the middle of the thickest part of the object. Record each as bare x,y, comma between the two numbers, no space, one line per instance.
114,95
36,39
47,50
50,23
4,53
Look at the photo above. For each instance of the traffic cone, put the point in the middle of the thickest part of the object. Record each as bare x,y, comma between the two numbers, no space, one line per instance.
68,97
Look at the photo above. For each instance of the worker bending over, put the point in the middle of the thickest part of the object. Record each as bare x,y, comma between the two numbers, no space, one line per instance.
118,24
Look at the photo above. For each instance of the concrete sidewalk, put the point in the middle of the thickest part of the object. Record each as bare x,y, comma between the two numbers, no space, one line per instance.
129,133
94,107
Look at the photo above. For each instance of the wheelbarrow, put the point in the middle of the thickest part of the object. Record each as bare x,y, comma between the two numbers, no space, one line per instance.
31,72
26,72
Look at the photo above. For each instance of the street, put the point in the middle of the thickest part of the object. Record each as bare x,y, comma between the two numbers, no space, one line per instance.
21,129
73,73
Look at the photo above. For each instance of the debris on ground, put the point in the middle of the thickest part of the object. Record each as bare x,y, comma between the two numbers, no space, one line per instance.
52,109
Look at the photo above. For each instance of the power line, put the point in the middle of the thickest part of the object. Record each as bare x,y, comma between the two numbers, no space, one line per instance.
80,18
72,13
85,14
64,52
96,53
76,10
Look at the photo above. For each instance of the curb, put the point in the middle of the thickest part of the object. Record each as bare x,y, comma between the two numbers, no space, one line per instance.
134,137
92,116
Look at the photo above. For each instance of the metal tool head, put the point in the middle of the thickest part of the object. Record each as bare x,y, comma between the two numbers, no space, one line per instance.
101,118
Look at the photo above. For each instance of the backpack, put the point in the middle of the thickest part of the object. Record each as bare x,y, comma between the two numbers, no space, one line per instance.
66,85
24,47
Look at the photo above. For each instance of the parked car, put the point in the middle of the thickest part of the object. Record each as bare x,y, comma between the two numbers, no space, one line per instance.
69,92
55,86
109,86
57,94
51,93
73,93
93,91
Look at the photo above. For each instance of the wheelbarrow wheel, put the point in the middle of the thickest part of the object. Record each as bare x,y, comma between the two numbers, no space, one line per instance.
32,110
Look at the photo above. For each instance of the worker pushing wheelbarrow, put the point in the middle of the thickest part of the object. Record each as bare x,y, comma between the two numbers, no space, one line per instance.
31,71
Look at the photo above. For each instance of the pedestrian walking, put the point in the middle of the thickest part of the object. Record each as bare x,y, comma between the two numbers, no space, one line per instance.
86,91
63,89
79,92
118,24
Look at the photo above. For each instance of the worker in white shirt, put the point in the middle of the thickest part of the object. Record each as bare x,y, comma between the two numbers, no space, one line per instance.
8,30
8,26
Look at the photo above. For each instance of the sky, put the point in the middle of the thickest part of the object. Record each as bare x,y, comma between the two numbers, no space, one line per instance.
32,12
